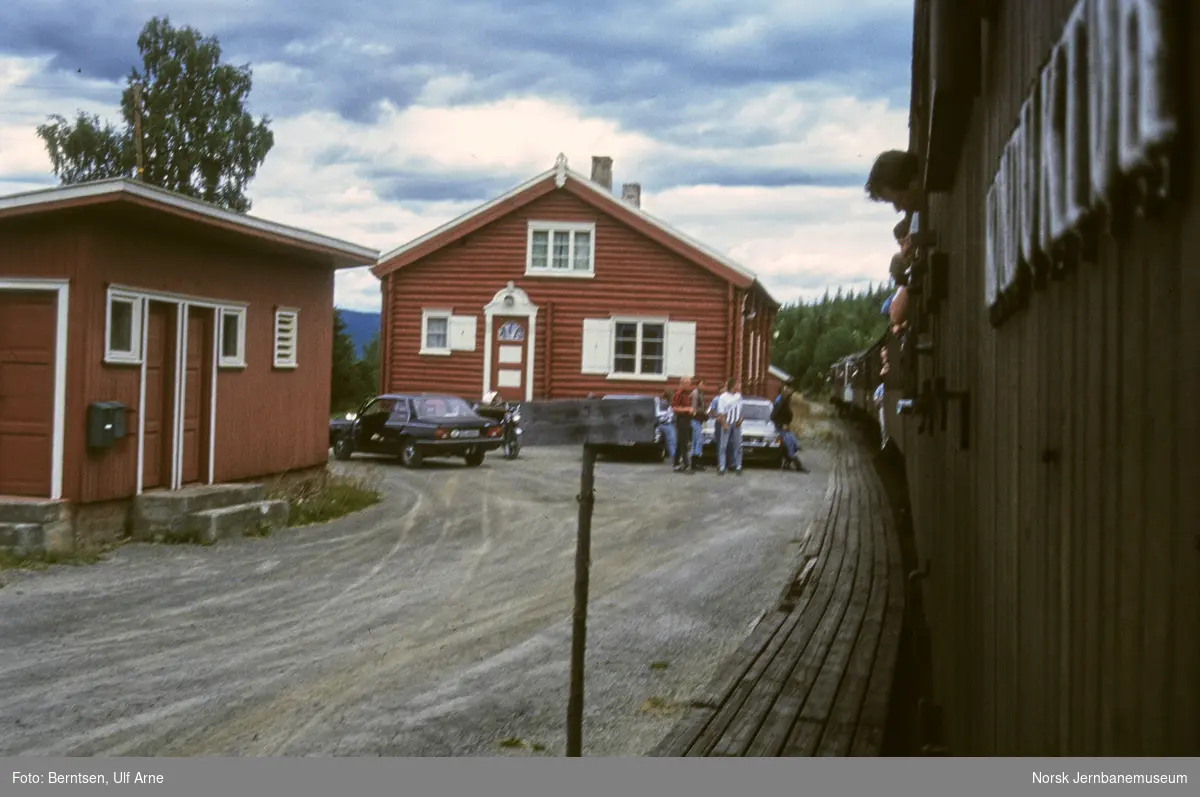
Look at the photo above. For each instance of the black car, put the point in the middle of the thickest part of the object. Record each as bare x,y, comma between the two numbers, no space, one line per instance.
414,427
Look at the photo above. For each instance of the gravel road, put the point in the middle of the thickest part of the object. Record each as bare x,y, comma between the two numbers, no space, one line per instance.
436,623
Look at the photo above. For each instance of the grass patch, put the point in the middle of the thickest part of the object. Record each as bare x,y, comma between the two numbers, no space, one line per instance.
326,496
658,665
511,743
10,561
537,747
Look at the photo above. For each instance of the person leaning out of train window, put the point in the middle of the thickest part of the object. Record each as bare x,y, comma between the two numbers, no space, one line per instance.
904,239
896,178
897,307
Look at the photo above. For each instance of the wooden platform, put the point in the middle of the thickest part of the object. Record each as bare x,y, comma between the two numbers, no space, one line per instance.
814,677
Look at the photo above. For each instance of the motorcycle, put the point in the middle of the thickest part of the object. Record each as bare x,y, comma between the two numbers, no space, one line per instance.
509,416
512,431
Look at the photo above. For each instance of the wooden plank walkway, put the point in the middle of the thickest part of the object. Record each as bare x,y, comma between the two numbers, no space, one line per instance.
814,677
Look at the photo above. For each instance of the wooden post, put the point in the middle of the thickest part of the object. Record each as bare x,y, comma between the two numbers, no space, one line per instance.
583,561
594,425
137,128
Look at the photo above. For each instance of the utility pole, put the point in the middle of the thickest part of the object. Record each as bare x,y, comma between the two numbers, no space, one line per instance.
137,128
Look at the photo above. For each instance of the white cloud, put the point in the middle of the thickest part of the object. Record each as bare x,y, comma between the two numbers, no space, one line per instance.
792,236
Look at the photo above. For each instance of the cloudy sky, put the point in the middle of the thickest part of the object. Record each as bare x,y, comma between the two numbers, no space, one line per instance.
750,124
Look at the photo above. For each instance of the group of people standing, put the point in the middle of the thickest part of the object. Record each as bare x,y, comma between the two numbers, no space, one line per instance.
684,412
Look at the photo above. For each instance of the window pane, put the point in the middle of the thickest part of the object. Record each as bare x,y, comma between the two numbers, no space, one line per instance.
583,251
541,246
653,347
229,335
625,349
437,334
562,250
120,331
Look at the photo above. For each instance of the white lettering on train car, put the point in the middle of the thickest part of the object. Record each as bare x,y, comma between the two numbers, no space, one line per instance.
989,251
1027,198
1078,184
1145,65
1008,215
1103,100
1103,108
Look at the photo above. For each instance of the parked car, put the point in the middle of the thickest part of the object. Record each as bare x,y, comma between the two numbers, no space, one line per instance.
415,428
656,450
760,438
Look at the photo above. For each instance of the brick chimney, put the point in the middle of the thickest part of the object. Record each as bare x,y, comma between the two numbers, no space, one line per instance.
632,193
602,171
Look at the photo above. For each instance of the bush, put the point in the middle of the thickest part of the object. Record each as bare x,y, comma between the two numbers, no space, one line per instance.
326,496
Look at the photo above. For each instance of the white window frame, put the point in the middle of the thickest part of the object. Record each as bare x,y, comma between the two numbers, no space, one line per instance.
552,228
294,360
637,375
426,315
133,356
239,359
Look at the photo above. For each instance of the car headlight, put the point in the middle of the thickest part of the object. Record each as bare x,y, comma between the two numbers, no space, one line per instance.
350,416
516,418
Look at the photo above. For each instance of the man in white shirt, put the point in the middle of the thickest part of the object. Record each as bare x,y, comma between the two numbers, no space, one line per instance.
729,423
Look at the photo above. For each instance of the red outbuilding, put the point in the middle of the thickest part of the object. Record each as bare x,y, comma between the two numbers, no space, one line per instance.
205,334
559,289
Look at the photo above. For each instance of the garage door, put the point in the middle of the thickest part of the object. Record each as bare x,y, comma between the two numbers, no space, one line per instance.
27,329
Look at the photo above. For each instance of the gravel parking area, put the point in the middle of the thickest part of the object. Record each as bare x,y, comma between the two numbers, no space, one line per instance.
436,623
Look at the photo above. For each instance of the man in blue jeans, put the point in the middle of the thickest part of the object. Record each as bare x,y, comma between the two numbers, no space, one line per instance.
712,413
666,424
728,432
699,415
781,416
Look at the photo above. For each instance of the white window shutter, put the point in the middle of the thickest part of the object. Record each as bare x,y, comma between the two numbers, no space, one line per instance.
681,348
597,346
462,333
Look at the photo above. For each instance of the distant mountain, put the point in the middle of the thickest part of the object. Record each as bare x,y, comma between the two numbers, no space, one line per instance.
360,326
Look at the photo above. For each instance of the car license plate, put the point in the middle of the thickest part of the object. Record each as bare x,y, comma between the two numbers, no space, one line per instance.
468,433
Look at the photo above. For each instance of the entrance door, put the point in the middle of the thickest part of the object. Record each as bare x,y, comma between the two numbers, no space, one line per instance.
157,436
28,325
197,396
510,350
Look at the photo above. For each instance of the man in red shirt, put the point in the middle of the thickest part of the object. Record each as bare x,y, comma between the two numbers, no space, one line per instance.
681,403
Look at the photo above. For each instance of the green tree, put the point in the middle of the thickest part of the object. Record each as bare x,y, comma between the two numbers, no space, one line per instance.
344,390
367,368
813,335
354,379
197,137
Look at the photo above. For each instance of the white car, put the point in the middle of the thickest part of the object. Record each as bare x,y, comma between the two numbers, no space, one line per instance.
760,438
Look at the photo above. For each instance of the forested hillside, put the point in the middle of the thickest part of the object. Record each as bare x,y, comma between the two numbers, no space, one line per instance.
810,337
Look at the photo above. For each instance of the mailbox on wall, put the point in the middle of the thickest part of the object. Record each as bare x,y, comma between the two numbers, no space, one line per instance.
106,423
